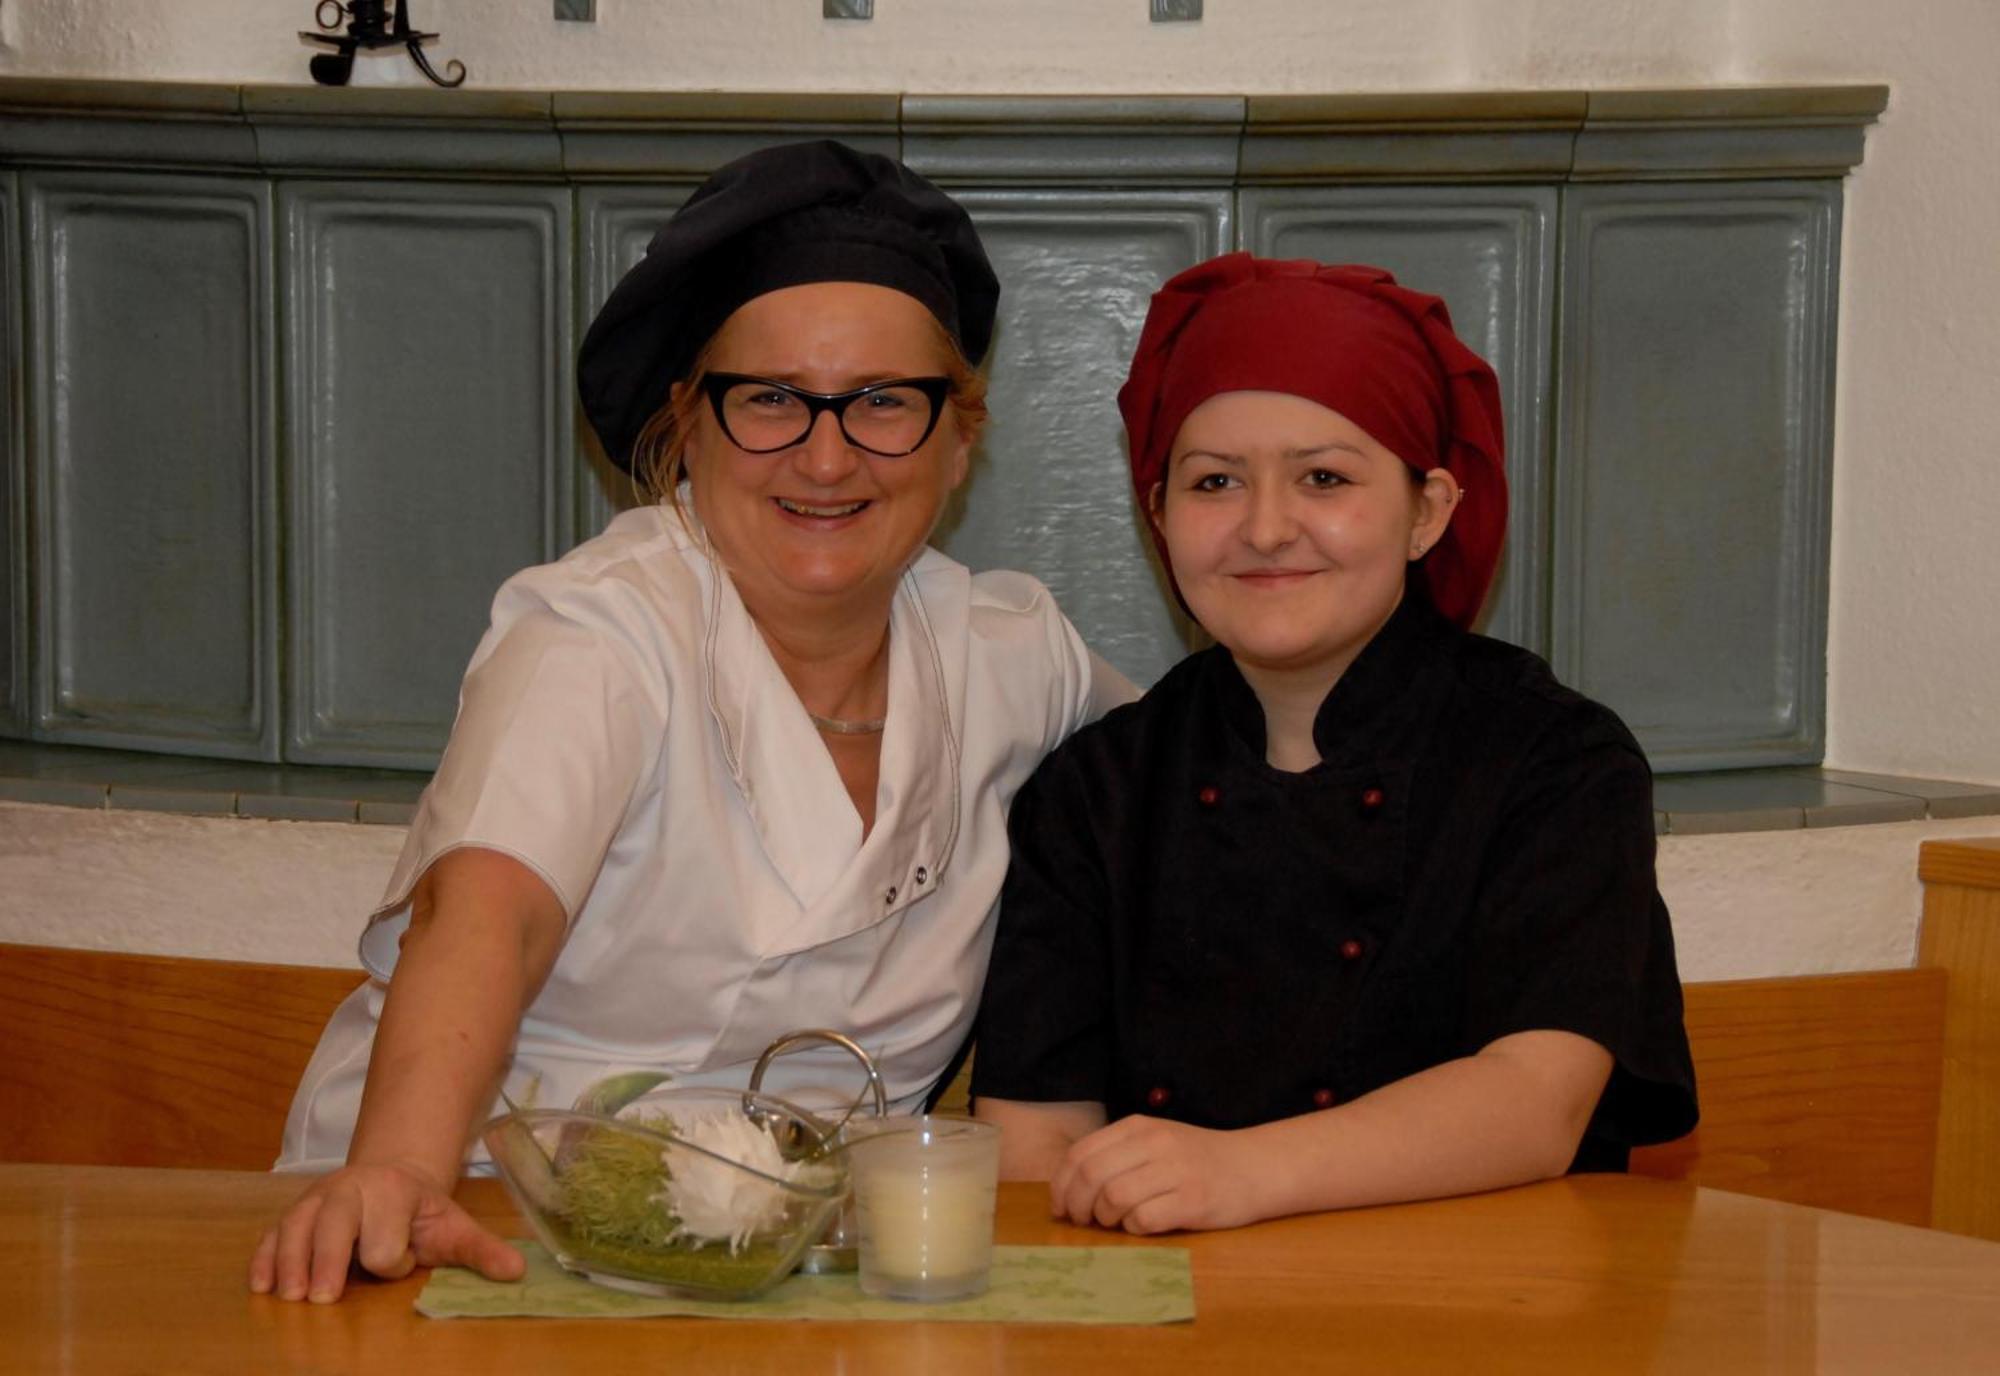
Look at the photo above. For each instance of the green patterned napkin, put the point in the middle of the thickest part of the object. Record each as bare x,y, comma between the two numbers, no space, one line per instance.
1030,1285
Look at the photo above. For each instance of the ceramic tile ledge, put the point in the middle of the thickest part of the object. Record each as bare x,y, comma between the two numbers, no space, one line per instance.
1685,804
1789,799
77,776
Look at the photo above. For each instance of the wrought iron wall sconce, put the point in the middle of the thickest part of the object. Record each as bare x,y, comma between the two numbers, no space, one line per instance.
369,27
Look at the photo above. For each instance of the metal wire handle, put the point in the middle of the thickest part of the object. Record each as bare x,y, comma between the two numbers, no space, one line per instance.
846,1043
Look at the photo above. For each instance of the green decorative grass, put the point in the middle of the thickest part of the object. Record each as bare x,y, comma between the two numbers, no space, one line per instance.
614,1217
706,1270
612,1187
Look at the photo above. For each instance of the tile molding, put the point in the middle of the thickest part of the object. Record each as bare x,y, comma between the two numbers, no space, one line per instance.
1786,799
1704,132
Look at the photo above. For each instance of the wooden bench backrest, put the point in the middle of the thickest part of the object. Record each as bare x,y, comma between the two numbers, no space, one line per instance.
1820,1090
111,1059
1817,1091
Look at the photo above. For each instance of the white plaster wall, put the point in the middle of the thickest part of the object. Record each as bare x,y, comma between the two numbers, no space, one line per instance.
937,45
1915,650
296,893
1753,905
224,888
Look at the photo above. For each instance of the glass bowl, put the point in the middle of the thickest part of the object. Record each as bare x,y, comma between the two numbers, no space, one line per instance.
714,1193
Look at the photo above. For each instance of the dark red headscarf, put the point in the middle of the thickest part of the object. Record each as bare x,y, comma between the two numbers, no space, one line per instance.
1352,340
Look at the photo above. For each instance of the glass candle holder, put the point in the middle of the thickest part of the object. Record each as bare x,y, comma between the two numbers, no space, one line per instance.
923,1192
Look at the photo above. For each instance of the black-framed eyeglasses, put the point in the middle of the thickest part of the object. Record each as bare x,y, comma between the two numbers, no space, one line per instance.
762,416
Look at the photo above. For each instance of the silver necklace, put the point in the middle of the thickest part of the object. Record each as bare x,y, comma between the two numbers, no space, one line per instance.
840,727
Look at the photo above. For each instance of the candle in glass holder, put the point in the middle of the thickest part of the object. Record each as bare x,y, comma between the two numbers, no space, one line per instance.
923,1191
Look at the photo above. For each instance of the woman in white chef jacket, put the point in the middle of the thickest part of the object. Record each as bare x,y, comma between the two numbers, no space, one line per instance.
739,765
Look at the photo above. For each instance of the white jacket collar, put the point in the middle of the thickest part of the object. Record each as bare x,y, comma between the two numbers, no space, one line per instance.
788,781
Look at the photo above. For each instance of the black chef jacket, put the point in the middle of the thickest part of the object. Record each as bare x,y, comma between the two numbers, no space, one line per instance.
1190,933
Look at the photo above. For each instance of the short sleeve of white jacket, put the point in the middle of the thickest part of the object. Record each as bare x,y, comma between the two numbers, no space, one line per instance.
560,717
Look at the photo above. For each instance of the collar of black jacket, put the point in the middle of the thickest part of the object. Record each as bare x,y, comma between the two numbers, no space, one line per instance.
1387,692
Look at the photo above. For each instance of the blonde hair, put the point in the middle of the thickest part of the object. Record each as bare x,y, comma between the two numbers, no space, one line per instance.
659,455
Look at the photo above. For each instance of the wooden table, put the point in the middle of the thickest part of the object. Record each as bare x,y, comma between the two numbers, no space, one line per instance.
105,1270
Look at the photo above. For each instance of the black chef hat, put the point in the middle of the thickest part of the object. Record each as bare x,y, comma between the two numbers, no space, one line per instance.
779,217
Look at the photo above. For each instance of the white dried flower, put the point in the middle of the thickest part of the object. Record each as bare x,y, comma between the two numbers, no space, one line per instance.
714,1201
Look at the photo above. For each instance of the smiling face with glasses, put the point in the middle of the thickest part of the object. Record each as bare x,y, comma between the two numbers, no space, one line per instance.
827,449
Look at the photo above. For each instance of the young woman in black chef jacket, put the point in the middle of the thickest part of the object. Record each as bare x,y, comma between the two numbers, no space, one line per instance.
1356,906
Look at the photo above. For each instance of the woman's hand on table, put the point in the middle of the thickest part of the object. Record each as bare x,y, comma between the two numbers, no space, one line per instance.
484,932
1145,1175
1150,1175
389,1218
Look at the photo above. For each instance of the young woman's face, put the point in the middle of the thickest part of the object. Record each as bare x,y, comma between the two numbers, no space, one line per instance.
1290,529
824,519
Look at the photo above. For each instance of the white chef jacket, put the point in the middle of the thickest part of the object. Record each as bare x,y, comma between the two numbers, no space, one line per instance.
624,732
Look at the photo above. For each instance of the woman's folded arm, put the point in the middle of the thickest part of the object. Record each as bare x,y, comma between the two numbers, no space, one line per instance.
1512,1113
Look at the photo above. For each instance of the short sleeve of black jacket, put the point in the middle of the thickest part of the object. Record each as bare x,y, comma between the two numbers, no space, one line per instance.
1186,932
1046,1029
1568,931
